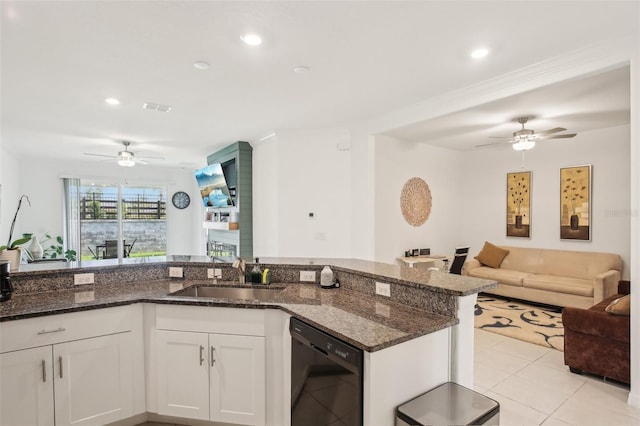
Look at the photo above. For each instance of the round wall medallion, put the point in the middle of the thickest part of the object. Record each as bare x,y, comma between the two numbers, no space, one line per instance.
181,200
415,201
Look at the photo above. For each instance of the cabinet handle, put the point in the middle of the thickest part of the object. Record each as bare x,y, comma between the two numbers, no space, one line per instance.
213,355
60,363
57,330
201,354
44,371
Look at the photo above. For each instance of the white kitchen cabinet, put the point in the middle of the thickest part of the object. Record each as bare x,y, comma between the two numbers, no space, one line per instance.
93,380
237,379
55,365
182,374
26,393
218,377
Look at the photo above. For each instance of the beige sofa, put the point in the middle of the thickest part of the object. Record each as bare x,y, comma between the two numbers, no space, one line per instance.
554,277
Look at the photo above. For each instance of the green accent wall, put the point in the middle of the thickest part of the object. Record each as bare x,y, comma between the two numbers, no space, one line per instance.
242,152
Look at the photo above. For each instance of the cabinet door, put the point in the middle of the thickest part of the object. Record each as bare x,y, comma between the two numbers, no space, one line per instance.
237,379
182,374
26,389
93,380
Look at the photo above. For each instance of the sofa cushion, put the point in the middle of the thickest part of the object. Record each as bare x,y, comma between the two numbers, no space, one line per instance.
567,285
491,255
595,322
620,306
503,276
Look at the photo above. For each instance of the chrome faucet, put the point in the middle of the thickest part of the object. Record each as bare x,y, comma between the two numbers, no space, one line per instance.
213,261
240,265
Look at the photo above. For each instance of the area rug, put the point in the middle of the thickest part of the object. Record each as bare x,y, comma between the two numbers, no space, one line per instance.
515,319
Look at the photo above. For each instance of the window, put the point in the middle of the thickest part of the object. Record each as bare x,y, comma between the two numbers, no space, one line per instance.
134,214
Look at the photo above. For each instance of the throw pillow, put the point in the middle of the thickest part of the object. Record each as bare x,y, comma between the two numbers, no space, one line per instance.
491,255
620,306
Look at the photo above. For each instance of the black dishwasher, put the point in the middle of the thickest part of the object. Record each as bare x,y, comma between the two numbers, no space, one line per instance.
326,378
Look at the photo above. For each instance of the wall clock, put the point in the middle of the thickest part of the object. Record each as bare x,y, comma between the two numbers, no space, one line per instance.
181,200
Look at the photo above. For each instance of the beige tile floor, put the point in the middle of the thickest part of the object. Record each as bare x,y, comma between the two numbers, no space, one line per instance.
534,387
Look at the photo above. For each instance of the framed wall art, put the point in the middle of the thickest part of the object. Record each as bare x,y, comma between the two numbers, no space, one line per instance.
575,203
519,204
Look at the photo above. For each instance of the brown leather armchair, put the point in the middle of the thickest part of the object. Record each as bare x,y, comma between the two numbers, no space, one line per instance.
597,342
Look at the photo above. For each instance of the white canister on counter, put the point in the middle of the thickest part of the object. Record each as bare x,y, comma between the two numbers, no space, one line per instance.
326,277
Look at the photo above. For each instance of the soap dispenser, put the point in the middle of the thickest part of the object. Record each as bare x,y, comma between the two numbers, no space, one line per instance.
256,273
326,277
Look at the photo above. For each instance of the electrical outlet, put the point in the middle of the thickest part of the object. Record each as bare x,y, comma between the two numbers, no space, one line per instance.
308,276
84,296
214,273
383,289
175,272
173,287
80,279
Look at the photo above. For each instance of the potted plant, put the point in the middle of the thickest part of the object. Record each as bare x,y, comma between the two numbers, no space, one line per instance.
53,249
11,251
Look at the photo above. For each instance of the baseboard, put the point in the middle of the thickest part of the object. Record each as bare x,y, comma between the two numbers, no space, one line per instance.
634,399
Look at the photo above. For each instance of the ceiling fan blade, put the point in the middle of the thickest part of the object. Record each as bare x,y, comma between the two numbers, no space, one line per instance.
151,158
100,155
565,136
487,145
141,161
500,137
550,131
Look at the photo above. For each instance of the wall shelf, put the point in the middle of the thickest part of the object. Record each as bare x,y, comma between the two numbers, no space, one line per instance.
221,226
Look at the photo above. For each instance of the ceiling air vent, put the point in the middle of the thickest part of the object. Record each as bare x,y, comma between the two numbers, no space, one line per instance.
156,107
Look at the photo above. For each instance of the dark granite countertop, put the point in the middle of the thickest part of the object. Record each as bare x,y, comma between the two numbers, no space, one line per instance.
368,322
451,284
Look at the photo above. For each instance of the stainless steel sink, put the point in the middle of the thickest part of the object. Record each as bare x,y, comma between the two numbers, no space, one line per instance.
242,293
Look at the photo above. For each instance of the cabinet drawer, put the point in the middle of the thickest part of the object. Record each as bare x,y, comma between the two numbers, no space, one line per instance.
52,329
206,319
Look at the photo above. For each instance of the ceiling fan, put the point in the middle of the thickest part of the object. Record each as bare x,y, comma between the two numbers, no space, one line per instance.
525,139
126,158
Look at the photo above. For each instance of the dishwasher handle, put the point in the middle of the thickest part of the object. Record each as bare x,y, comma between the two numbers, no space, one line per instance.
319,349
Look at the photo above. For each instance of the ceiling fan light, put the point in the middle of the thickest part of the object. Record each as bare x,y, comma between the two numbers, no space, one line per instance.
126,162
125,159
523,145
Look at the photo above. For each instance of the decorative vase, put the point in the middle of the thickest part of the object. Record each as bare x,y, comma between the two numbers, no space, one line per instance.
518,221
575,221
35,249
13,256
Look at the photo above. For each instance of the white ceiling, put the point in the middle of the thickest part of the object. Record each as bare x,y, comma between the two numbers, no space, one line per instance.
61,59
578,105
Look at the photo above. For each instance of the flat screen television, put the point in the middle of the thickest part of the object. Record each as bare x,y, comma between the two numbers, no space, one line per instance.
213,186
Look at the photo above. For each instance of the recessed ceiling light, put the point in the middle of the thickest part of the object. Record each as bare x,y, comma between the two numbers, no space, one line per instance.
112,101
479,53
201,65
252,39
301,69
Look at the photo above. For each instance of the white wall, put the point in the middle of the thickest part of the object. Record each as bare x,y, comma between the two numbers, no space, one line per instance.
469,194
484,192
9,175
396,162
312,175
40,179
265,198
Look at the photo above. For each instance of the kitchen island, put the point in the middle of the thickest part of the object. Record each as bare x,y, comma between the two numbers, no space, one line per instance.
412,340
